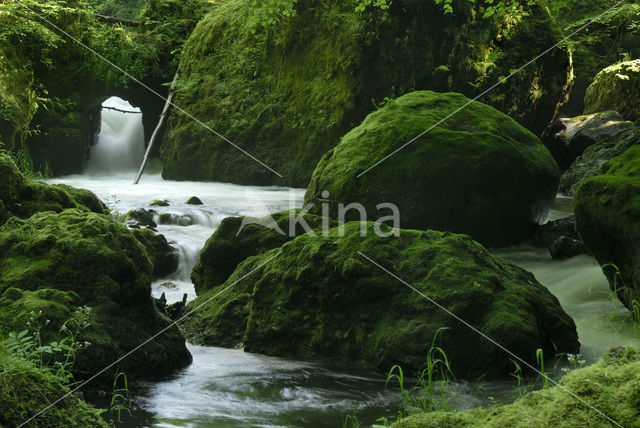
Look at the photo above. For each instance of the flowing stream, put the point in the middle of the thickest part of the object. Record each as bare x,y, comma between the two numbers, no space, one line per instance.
230,388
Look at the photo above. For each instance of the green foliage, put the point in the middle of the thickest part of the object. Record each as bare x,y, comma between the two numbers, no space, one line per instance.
496,9
429,392
610,386
121,399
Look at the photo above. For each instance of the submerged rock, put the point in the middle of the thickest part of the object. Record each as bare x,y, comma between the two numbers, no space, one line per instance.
240,237
140,217
22,197
611,386
74,258
25,390
572,136
320,299
194,200
159,203
616,88
286,92
591,161
478,172
607,209
565,247
560,237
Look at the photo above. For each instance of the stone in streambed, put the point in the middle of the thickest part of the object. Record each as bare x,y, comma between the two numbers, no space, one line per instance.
478,172
321,300
240,237
74,258
194,200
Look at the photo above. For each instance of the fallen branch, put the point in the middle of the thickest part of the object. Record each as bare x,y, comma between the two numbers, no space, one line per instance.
121,111
165,110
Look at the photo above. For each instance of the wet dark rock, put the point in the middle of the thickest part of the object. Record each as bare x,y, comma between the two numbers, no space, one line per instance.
552,230
572,136
591,161
160,203
565,247
142,217
194,200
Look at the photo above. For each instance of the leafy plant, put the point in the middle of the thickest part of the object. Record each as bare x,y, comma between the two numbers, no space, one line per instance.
429,392
540,361
121,400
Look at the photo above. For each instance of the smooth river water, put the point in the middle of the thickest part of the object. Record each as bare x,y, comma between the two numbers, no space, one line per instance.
230,388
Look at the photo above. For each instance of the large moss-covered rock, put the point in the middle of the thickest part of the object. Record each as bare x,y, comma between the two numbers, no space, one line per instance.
478,172
611,386
590,162
22,197
320,299
25,390
240,237
57,262
616,88
287,90
607,210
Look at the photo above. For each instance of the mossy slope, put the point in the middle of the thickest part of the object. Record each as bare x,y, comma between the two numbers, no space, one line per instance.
24,390
611,386
478,172
240,237
321,300
22,197
286,92
607,209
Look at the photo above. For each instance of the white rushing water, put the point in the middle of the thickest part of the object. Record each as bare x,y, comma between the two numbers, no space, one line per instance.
229,388
121,141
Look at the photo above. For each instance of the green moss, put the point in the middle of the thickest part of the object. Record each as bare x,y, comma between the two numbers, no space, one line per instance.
240,237
616,88
25,390
22,197
607,208
321,300
611,386
80,258
163,256
287,92
478,172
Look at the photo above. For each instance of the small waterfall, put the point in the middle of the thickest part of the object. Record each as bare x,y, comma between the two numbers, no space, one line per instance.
120,144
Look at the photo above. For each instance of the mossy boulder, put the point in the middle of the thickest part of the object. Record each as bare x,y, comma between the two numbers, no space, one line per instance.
240,237
22,197
616,88
162,255
25,390
478,172
320,299
286,91
607,209
590,162
611,386
58,262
